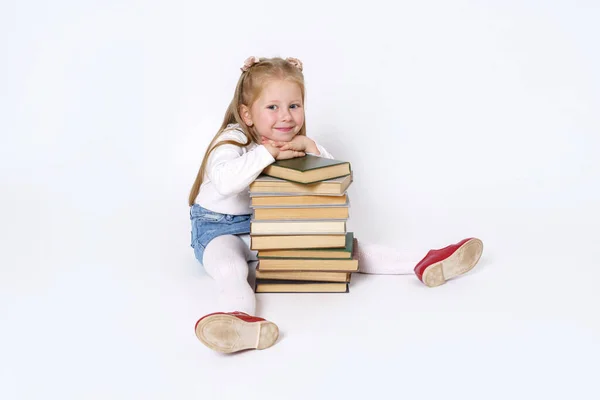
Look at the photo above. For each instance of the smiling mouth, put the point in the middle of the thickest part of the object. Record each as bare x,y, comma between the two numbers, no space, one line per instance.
285,129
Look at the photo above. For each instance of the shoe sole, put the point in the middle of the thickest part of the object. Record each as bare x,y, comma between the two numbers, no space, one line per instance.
228,334
460,262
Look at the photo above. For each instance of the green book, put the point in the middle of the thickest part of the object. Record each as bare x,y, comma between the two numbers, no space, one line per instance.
326,253
308,169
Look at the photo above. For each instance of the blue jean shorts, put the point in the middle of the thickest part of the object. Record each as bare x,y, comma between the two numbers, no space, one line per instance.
207,225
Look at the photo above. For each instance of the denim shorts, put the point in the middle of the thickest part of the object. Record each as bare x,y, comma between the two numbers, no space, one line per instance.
207,225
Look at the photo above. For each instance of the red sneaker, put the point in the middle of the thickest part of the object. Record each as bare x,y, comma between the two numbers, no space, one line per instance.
440,265
235,331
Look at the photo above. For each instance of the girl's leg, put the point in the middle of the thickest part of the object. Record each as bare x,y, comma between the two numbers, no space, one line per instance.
378,259
235,328
434,269
226,261
251,255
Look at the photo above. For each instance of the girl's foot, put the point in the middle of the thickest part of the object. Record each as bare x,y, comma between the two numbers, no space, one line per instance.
440,265
235,331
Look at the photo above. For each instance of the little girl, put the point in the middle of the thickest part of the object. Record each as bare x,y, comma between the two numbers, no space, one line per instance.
263,123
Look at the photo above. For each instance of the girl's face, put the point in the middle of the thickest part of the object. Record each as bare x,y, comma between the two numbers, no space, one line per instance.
278,114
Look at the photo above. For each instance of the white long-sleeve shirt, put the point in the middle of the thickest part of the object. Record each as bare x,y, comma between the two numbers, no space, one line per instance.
231,169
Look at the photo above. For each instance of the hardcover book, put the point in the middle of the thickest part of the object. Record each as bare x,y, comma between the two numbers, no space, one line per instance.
271,286
336,253
301,213
297,200
299,264
307,169
333,187
278,242
319,276
314,227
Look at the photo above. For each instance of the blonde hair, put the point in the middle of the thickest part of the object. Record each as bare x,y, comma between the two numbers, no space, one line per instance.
247,90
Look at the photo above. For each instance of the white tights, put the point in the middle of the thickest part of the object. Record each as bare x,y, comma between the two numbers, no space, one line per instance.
226,261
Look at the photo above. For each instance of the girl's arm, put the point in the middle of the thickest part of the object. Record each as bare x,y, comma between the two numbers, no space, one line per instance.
231,170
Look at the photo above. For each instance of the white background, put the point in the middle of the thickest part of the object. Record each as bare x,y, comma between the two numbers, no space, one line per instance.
464,118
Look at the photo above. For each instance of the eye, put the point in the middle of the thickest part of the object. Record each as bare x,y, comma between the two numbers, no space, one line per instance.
272,107
293,106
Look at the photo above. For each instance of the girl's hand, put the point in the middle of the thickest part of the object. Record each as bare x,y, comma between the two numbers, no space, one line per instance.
279,154
273,143
286,154
299,143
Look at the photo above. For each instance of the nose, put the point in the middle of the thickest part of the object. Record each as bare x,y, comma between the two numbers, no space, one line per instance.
285,114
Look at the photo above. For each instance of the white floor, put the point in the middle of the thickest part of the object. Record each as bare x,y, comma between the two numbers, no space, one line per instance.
475,118
99,305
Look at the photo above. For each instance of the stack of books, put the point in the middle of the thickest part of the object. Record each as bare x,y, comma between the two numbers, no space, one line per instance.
300,210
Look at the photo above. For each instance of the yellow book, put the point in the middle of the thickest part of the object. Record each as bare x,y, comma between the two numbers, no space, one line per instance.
300,287
297,200
269,185
297,227
279,242
300,264
321,276
297,213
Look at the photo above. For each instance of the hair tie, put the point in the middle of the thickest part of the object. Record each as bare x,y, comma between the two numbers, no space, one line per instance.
295,62
249,62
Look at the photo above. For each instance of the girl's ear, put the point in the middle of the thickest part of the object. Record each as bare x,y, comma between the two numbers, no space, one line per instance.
245,114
